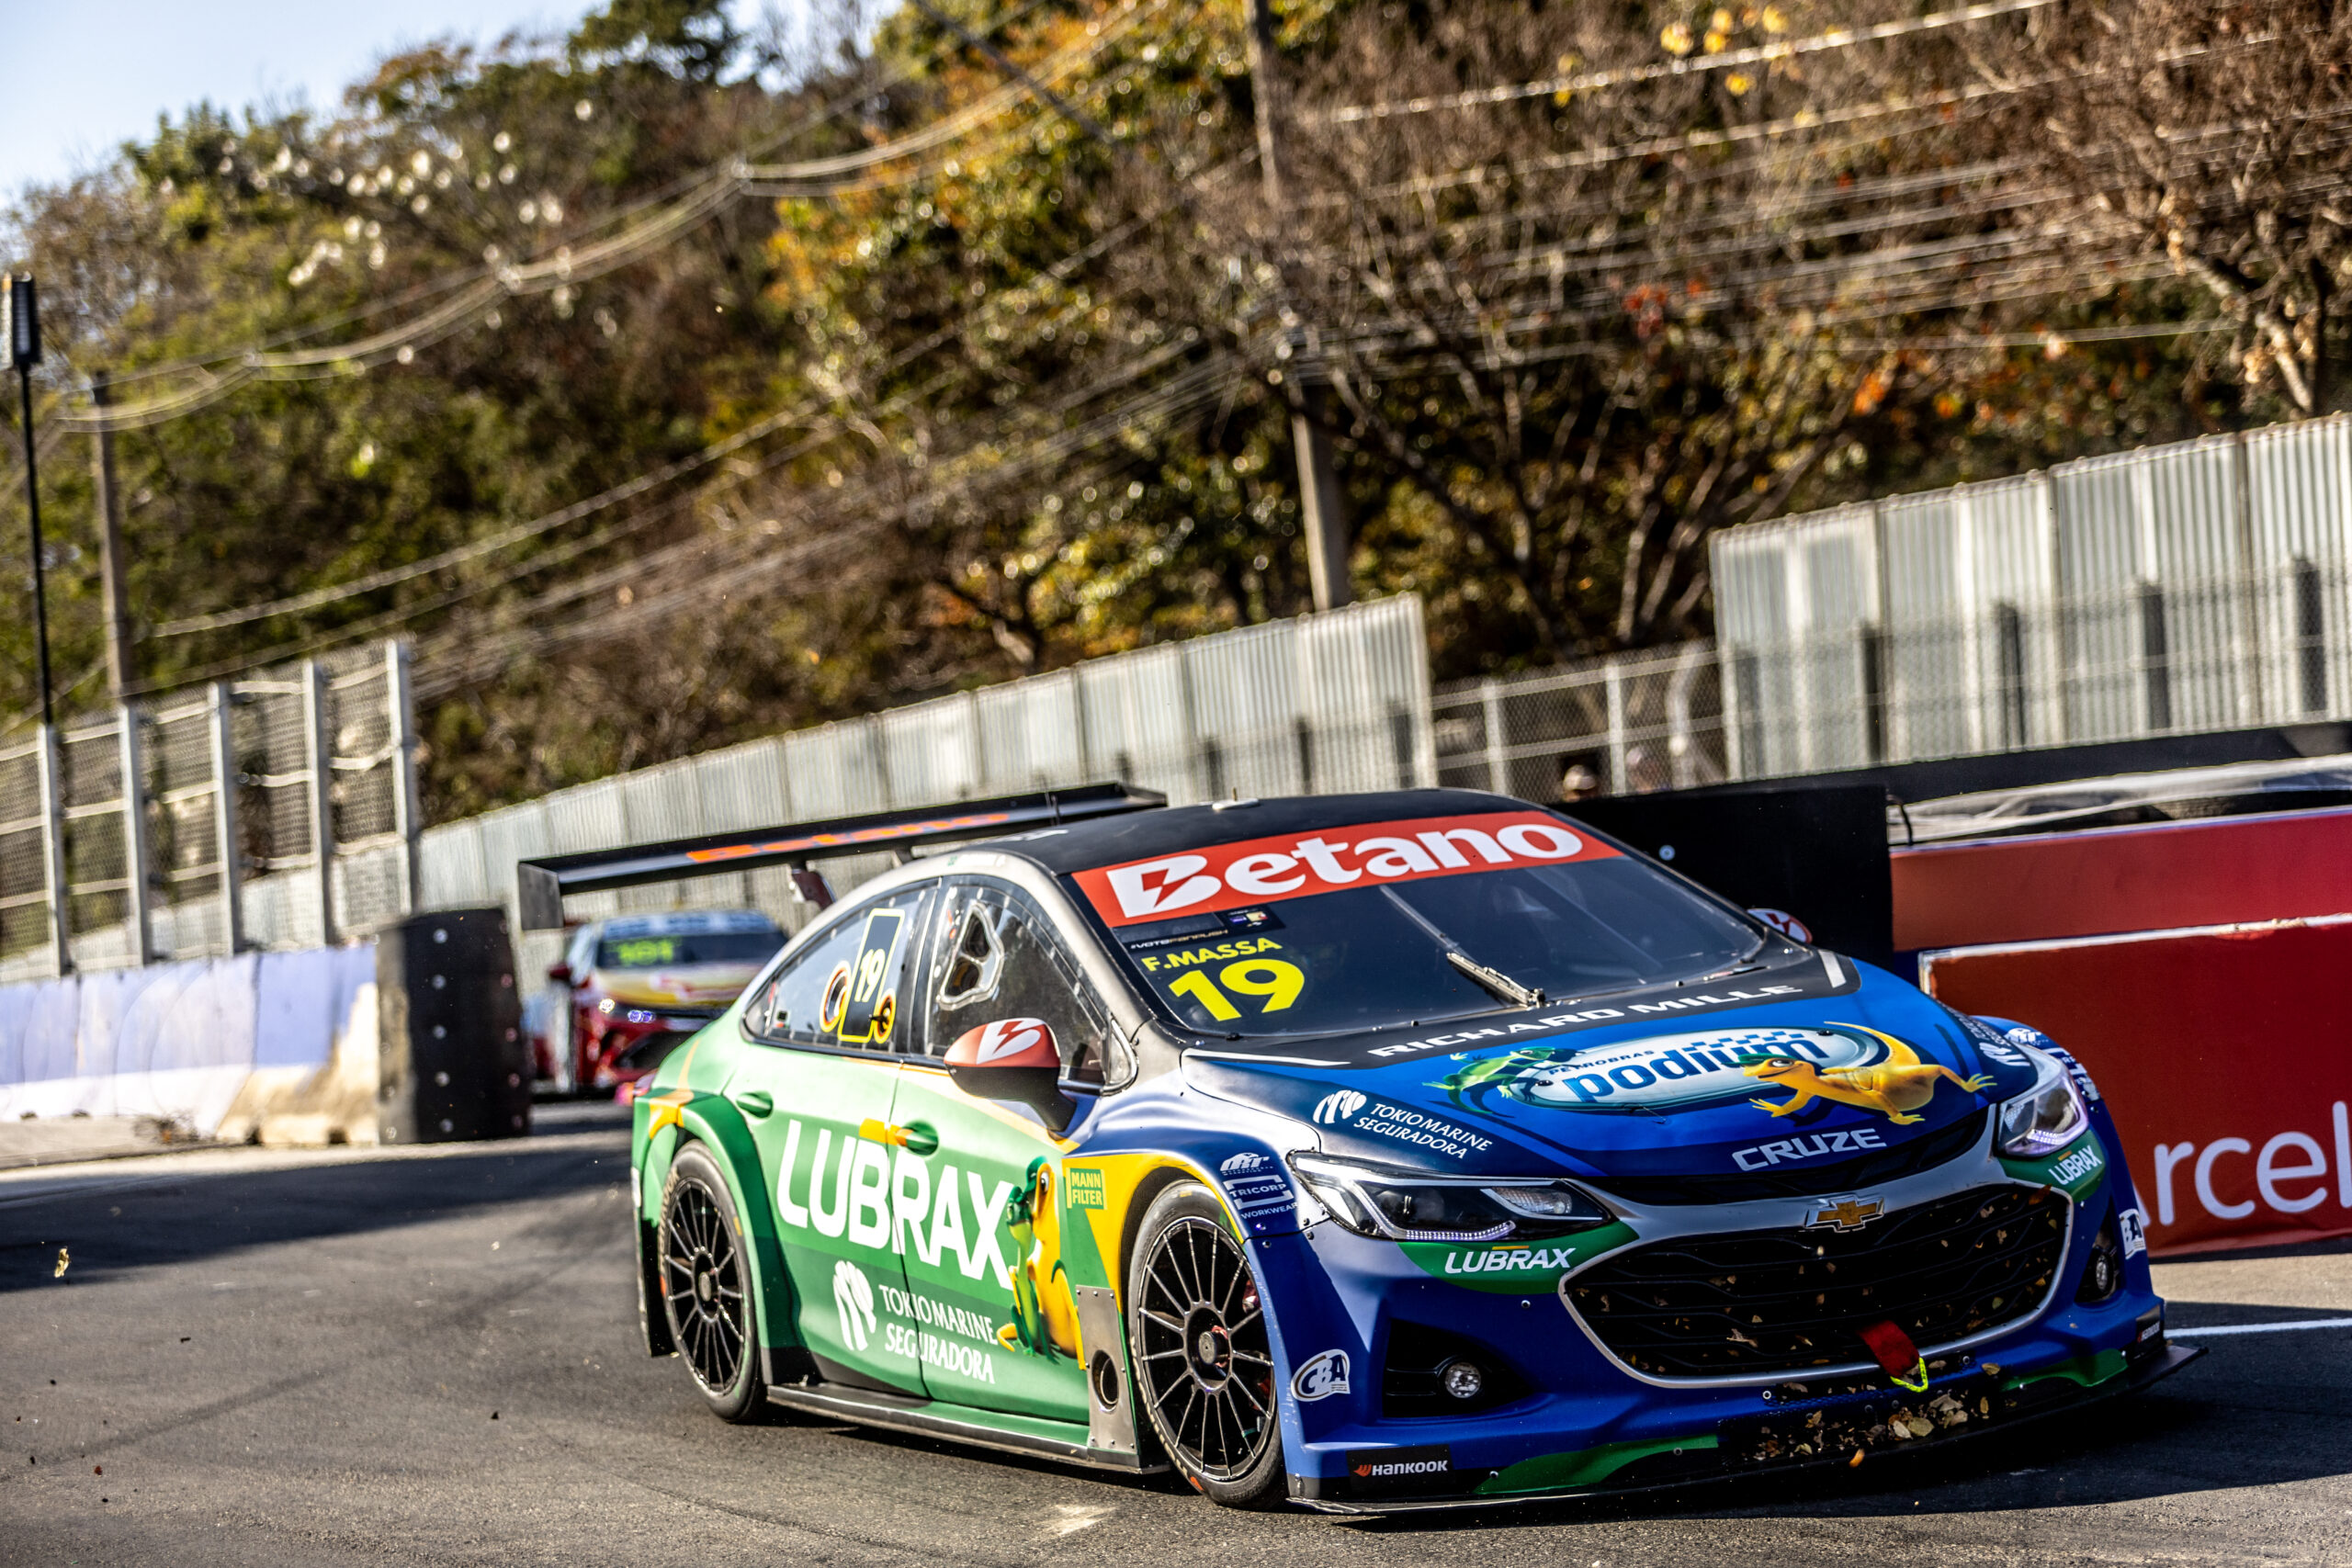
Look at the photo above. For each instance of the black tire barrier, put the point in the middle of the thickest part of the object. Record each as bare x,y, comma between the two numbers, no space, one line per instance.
452,1063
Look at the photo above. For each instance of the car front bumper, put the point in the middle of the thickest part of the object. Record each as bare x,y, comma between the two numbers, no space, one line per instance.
1572,1418
1841,1431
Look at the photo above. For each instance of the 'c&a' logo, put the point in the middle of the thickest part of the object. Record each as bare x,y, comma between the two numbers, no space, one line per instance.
1320,1377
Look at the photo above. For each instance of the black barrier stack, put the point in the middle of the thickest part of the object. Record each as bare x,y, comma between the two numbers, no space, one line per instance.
452,1063
1817,851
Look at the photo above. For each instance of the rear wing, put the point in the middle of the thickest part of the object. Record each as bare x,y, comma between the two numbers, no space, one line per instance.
541,884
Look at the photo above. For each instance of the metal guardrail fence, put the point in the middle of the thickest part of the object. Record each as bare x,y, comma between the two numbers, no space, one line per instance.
2191,587
274,812
1631,722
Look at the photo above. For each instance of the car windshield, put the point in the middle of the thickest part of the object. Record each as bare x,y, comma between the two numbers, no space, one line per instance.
1415,951
747,948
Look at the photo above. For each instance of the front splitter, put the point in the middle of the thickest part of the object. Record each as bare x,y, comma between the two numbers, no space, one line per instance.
2137,1376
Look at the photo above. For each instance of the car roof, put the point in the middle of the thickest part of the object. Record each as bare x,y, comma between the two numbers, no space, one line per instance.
1113,840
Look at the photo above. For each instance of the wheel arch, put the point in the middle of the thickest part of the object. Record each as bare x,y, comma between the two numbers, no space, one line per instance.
1171,1171
712,1121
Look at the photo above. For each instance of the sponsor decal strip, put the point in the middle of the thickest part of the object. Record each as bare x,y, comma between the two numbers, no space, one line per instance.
1728,996
857,836
1226,877
880,1203
1511,1260
1765,1156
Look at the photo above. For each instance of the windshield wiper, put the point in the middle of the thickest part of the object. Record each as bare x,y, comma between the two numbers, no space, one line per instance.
1495,980
1502,986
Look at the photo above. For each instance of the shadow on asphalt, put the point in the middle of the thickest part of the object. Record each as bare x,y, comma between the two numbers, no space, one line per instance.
2259,1410
170,1217
2194,1432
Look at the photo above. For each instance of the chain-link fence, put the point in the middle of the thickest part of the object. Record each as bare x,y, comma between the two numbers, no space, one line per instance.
272,812
1620,725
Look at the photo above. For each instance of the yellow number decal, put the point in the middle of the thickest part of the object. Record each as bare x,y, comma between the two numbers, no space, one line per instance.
835,1001
1278,982
869,971
1196,986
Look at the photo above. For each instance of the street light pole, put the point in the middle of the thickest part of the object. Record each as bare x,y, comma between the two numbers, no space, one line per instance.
1321,503
24,352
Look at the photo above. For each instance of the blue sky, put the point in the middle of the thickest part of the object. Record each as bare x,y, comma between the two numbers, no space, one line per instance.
81,76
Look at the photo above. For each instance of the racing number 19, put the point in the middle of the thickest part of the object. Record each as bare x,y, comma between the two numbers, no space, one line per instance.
1278,982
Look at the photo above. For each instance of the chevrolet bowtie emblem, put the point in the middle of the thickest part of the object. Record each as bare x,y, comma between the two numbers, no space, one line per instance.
1847,1214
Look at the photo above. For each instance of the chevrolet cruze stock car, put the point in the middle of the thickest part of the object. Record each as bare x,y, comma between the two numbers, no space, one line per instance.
1376,1152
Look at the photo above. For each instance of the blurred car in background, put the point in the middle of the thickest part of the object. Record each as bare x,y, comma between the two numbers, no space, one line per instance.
631,987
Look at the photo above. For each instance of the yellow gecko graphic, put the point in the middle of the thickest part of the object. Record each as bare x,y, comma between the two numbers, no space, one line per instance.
1895,1087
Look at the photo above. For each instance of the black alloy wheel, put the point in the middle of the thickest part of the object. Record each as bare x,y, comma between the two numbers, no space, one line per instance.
706,1290
1203,1359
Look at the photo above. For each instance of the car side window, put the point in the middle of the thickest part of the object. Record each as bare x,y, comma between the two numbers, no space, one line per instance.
999,958
847,989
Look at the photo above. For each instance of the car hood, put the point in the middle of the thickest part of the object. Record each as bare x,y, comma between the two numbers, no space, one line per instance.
1814,1061
676,985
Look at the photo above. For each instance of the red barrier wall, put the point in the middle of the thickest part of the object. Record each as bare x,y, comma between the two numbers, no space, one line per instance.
2217,872
2225,1056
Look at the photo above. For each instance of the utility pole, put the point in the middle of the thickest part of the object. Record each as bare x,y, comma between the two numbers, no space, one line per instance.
112,568
24,352
1321,509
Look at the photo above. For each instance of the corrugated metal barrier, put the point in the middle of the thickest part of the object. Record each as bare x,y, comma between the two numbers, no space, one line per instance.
1322,704
2176,589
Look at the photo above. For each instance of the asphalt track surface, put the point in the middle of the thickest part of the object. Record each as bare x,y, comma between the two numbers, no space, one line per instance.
257,1357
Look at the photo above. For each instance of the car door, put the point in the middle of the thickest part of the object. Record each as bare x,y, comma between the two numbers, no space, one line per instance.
816,1090
986,1277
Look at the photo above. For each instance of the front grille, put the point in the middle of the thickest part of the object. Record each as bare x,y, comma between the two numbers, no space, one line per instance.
1844,1175
1763,1301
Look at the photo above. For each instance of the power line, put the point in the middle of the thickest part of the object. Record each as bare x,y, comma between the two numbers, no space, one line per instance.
570,264
823,115
719,570
521,532
1593,81
1096,386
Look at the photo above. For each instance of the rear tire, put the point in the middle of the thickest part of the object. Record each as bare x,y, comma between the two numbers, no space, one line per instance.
1203,1365
704,1268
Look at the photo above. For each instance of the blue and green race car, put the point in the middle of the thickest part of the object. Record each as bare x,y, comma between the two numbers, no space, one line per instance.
1364,1152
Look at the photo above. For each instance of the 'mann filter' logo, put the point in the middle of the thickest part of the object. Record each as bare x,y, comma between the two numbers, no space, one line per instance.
1337,1106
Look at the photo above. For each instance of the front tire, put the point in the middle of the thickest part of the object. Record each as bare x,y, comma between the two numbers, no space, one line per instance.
705,1276
1203,1365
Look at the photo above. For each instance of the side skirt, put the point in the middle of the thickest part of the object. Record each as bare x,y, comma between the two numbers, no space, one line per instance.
963,1425
652,1321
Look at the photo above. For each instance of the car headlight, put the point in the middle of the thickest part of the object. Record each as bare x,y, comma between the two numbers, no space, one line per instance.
1394,1205
2047,1117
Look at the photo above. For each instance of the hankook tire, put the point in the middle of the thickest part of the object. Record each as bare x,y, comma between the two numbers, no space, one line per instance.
1203,1365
